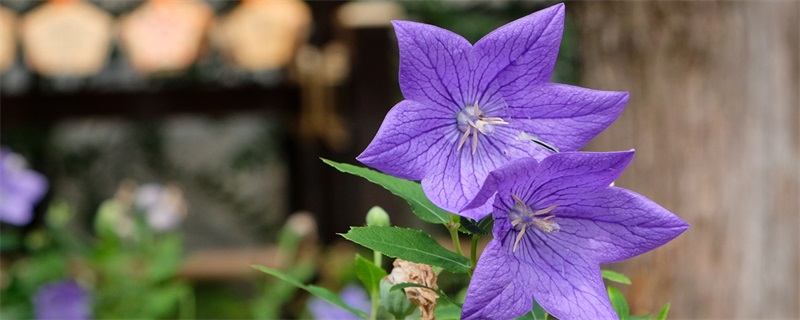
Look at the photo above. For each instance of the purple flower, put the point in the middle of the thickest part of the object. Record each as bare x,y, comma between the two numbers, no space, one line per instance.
353,295
20,189
470,109
555,222
62,300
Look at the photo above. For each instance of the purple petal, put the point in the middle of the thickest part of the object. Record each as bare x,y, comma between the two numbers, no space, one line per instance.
501,287
522,52
563,116
556,177
456,177
616,224
410,139
62,300
434,65
567,284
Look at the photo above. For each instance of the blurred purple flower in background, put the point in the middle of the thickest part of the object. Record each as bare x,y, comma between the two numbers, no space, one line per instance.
20,188
470,109
555,222
64,300
353,295
163,206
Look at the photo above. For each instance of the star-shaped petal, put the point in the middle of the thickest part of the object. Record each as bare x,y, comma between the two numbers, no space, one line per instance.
470,109
555,222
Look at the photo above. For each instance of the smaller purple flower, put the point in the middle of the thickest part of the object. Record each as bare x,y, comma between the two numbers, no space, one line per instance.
555,223
20,189
353,295
64,300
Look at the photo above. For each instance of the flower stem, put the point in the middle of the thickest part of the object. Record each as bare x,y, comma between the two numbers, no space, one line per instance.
453,228
474,252
377,258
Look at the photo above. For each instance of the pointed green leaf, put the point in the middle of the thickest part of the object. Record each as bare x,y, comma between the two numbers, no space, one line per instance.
408,190
320,292
409,244
619,303
441,293
536,313
664,311
369,274
616,277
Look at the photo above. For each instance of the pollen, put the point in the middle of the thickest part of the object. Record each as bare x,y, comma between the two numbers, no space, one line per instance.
471,120
522,218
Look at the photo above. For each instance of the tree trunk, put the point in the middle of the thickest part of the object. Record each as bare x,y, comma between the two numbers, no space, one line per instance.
714,117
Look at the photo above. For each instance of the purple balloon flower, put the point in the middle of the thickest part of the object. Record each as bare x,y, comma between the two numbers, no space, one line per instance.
470,109
555,222
20,189
353,295
62,300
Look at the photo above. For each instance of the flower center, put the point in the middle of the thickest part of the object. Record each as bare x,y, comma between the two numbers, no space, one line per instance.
523,217
472,120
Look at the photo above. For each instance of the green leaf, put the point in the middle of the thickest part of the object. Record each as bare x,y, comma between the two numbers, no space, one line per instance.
619,303
408,190
447,311
616,277
441,293
320,292
408,244
369,274
536,313
664,311
482,227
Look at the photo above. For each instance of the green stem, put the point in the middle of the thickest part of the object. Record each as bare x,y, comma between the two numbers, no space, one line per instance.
375,304
453,227
474,252
377,258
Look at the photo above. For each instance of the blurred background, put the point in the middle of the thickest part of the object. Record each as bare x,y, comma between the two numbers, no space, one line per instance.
180,136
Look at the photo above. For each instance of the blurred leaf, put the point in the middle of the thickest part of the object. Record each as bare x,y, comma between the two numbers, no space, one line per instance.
161,301
408,244
276,294
369,274
447,311
166,258
619,303
10,240
664,311
616,277
320,292
408,190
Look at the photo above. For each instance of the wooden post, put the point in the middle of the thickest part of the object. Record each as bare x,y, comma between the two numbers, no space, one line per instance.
714,116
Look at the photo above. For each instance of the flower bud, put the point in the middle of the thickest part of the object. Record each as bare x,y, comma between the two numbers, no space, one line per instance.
377,217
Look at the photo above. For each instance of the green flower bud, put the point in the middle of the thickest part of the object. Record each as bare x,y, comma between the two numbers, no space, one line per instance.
377,217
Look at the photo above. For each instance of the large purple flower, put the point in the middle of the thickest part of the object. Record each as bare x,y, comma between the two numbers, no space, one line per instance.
20,189
555,222
62,300
471,109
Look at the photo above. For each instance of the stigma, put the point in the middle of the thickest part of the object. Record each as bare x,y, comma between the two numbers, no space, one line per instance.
471,120
522,218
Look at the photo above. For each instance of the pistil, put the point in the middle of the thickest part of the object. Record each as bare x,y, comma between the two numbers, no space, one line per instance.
522,217
471,120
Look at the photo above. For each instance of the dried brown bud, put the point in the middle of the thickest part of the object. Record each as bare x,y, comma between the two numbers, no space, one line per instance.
405,271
